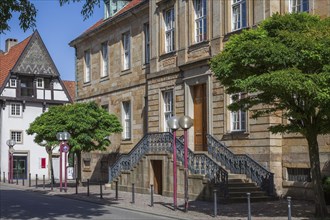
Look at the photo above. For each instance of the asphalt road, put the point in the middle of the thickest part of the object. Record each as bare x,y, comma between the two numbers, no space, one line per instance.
18,204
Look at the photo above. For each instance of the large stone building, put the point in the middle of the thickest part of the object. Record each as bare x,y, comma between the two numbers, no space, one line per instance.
184,35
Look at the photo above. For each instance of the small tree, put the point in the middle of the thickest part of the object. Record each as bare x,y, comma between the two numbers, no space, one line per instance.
284,66
88,124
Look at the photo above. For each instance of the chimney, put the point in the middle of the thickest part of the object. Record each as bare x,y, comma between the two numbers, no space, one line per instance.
10,42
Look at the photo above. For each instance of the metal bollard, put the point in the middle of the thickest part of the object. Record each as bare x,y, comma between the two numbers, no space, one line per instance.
133,196
76,185
4,177
23,181
43,181
215,203
16,179
289,207
87,187
101,193
29,179
116,190
249,205
9,178
51,185
152,195
36,180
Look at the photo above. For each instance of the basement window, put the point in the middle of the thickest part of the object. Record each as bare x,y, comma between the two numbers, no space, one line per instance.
299,174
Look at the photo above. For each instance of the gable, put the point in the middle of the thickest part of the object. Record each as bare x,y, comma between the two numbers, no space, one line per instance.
35,59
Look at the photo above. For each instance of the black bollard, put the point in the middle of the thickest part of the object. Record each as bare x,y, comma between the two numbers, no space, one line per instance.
51,185
29,179
23,181
289,207
36,180
43,181
116,190
87,187
9,178
101,193
16,179
215,203
133,196
76,185
4,177
249,205
152,195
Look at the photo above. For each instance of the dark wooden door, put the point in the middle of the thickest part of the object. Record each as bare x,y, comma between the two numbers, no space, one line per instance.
158,176
200,117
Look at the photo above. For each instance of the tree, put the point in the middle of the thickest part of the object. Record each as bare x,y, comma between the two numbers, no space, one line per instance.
28,12
283,66
88,124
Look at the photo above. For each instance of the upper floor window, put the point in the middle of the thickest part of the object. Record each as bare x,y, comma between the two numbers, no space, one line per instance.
40,83
87,57
238,14
15,109
12,82
27,88
168,107
299,5
105,60
237,118
127,123
169,30
200,20
126,41
146,43
16,136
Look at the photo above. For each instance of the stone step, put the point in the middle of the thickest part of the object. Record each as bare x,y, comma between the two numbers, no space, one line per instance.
244,199
236,176
241,184
244,189
254,194
236,180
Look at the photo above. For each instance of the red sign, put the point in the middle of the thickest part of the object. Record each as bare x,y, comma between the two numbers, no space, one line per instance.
43,162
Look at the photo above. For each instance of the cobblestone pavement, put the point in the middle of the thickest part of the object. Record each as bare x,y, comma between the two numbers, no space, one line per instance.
164,205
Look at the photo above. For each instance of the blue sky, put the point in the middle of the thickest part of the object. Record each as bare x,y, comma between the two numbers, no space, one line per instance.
57,27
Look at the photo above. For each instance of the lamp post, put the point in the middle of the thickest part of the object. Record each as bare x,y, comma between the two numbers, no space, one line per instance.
185,123
173,123
10,144
63,137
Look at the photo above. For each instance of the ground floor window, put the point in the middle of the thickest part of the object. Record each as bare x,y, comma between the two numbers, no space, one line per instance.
299,174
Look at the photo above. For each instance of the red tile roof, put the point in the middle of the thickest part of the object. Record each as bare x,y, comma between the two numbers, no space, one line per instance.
70,87
9,59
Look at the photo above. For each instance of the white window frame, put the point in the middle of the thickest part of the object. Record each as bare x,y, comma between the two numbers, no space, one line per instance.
87,61
297,6
105,59
238,118
169,23
17,136
12,82
200,20
127,120
146,30
167,108
40,83
126,41
238,11
15,110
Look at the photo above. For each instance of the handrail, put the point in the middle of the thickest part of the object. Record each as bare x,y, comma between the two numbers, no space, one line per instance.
241,164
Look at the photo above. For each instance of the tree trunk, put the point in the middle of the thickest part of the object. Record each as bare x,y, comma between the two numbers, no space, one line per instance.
320,205
78,153
50,159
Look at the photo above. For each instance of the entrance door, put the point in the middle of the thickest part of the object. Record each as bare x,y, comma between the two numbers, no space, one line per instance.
20,167
200,117
158,176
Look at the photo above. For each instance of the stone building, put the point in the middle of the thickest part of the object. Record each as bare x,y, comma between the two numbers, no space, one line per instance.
184,35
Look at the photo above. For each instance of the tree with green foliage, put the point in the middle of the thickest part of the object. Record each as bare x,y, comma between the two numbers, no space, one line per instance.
283,65
88,124
28,12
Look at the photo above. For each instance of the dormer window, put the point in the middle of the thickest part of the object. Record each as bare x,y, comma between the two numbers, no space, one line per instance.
111,7
40,83
12,82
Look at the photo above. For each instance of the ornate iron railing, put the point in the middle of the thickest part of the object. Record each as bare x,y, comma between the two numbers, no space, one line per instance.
162,142
241,164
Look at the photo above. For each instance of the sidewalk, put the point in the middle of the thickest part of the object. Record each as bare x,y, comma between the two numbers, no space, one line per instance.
164,205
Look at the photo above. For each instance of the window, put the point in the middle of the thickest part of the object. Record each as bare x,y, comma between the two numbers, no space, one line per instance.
168,108
15,110
87,66
106,9
27,87
146,43
40,83
238,14
127,51
105,60
105,107
299,174
200,20
169,30
237,118
127,120
12,82
17,136
299,6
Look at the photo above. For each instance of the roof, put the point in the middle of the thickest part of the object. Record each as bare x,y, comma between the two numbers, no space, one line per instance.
99,23
9,59
70,87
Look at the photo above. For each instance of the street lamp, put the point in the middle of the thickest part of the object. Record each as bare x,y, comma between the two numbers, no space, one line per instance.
10,144
185,123
173,123
63,137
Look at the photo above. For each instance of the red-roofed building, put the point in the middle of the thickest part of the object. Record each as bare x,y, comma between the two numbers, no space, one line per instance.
29,85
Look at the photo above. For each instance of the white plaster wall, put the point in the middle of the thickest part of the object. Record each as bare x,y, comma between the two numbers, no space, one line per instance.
48,94
60,96
40,94
57,85
10,92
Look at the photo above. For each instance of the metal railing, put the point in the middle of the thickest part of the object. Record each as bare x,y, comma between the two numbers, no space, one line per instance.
241,164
